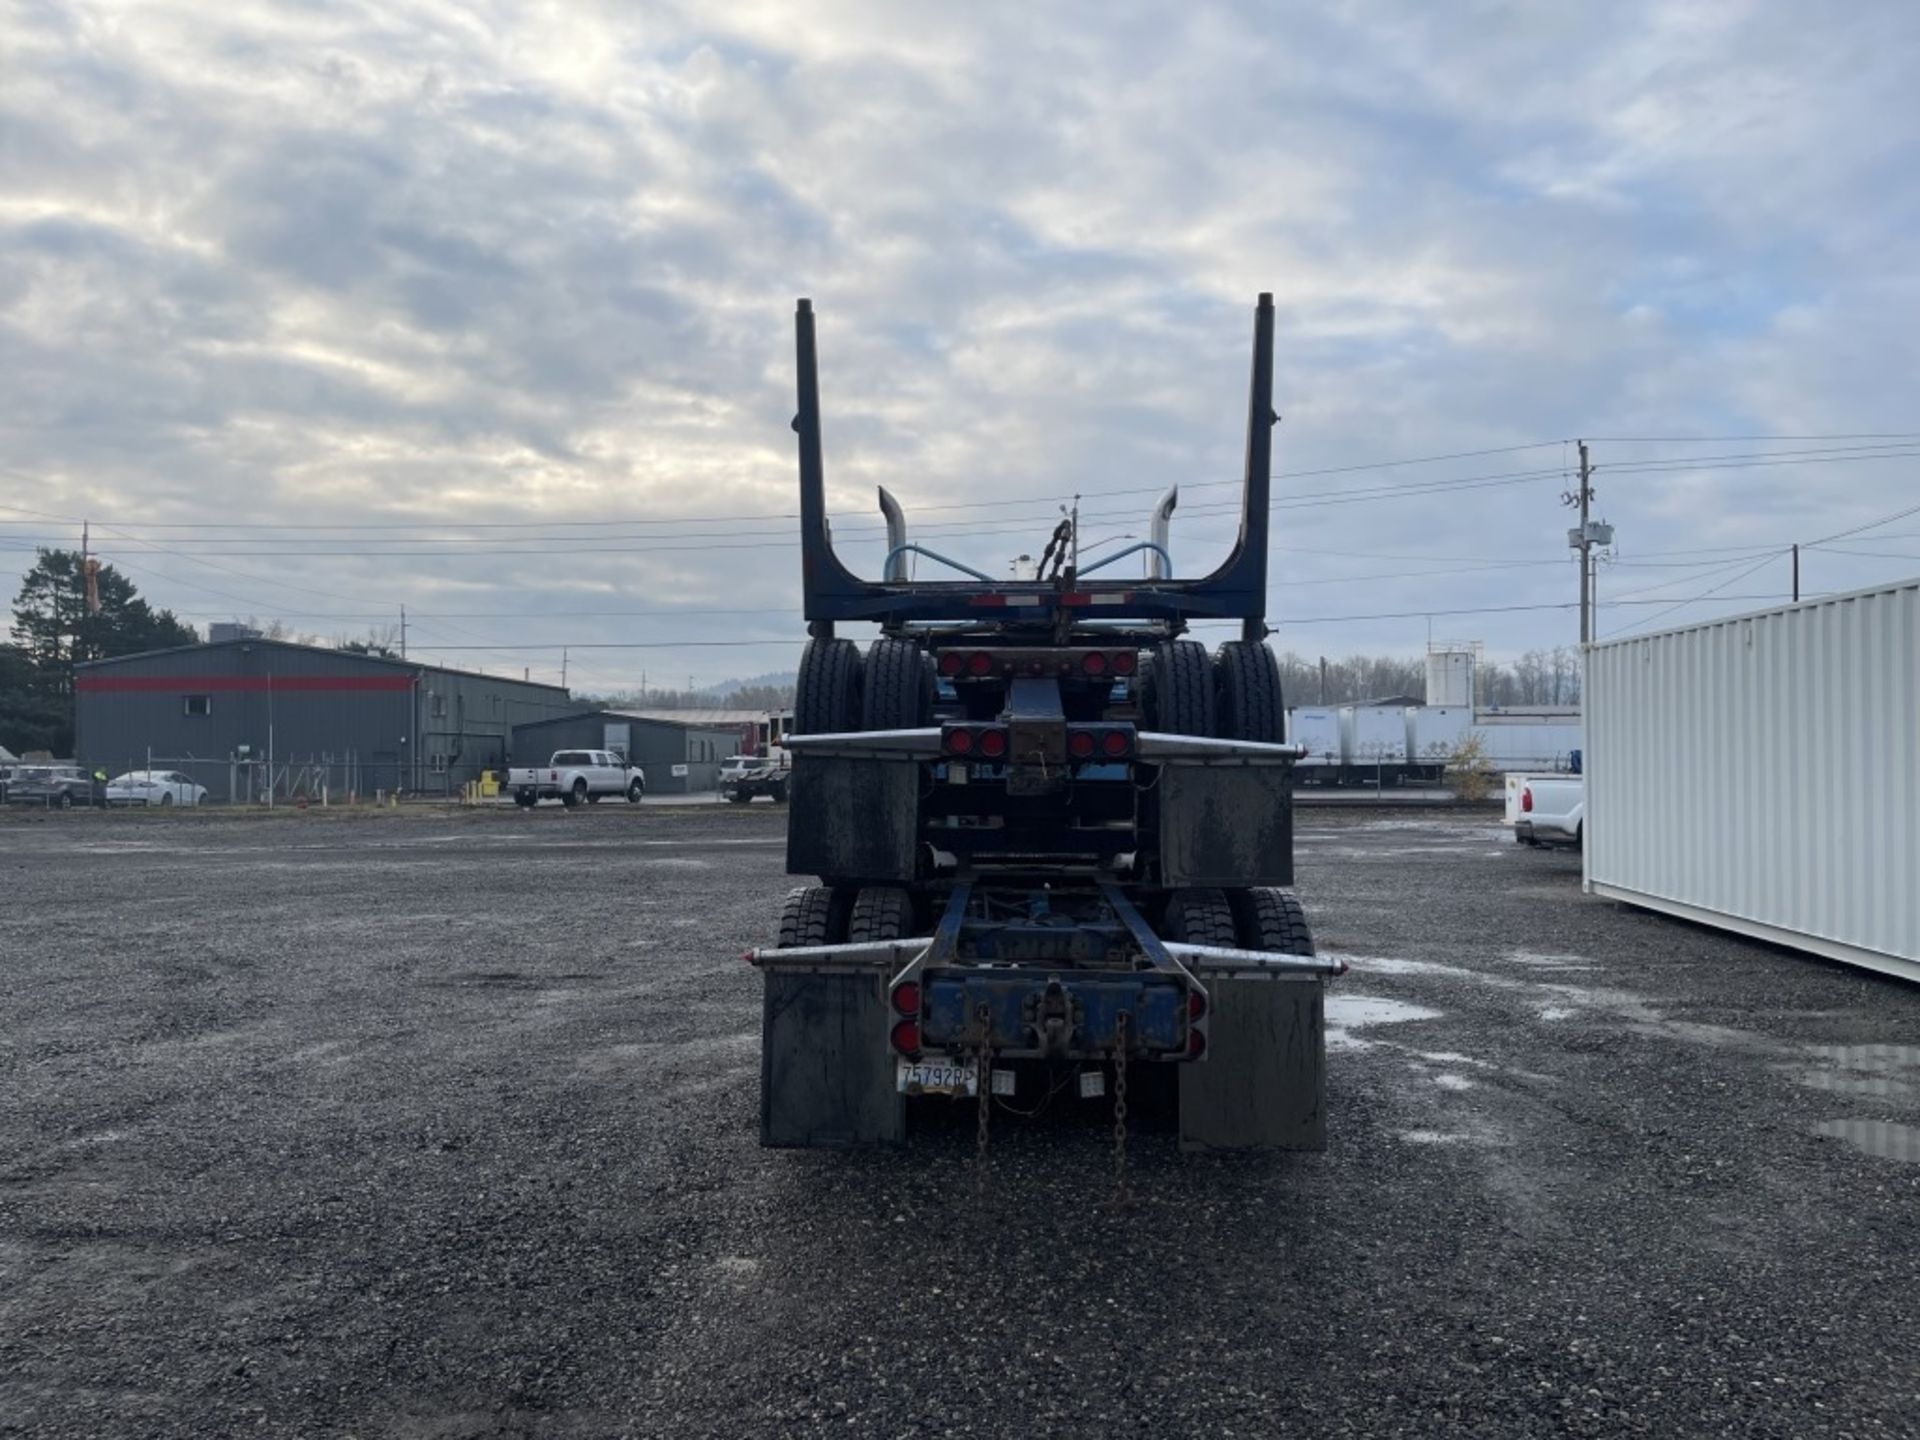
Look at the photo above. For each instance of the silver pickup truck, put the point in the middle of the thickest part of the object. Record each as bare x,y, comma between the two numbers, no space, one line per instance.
577,777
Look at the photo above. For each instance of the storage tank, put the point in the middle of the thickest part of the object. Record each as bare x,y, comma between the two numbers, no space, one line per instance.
1318,730
1759,773
1450,676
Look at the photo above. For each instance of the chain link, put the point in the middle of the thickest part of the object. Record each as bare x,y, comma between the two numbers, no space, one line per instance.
1121,1194
983,1082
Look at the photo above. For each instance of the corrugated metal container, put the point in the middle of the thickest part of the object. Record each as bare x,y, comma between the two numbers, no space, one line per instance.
1522,744
1760,773
1434,732
1373,734
1319,731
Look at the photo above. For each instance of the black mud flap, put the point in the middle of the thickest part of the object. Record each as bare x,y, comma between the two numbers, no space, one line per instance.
1225,824
826,1074
853,819
1263,1085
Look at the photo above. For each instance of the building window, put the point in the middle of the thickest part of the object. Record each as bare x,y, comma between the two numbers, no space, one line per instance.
436,705
439,764
198,704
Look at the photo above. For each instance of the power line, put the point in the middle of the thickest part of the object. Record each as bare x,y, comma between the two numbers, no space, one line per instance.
1703,595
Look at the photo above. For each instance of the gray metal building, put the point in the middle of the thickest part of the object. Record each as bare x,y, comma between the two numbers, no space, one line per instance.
680,755
240,715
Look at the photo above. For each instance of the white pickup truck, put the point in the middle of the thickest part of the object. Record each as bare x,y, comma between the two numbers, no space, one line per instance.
1546,809
576,777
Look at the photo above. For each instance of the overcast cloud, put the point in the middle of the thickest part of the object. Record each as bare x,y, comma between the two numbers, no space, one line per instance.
442,265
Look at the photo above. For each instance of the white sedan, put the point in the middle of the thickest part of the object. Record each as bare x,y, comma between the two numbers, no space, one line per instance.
154,787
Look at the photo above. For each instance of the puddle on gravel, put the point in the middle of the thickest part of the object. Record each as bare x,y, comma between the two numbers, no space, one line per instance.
1536,961
1453,1082
1347,1013
1885,1072
1438,1137
1875,1137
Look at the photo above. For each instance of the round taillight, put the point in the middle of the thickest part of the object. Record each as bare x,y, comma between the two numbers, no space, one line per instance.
1125,662
993,743
1526,798
960,742
951,662
1196,1043
1196,1004
1094,663
1080,744
906,997
979,663
1114,742
906,1037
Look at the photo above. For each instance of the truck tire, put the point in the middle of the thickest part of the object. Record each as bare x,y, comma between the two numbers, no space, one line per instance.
635,792
1201,917
826,698
525,799
812,915
738,797
779,793
1180,689
573,796
881,912
1272,920
897,687
1247,685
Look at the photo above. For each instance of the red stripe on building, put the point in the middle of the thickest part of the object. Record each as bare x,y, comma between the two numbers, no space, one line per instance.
209,684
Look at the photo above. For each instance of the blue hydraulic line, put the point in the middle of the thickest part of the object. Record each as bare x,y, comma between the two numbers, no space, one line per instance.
900,550
1159,550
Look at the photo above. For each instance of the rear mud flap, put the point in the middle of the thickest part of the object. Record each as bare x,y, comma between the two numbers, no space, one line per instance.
826,1074
1263,1084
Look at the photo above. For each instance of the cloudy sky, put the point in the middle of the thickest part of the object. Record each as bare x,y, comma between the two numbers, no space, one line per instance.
486,308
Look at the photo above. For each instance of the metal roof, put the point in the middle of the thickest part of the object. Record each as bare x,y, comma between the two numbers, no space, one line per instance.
330,650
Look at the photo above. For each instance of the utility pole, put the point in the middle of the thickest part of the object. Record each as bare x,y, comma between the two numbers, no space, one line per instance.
1796,572
403,632
1583,539
563,667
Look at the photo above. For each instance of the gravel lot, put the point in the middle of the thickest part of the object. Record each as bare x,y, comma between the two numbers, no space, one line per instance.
431,1125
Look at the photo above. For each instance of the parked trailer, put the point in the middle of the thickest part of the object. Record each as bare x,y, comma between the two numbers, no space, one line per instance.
1373,743
1760,773
1050,836
1435,734
1316,730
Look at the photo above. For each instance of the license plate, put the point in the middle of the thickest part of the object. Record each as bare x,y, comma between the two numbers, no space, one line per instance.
938,1077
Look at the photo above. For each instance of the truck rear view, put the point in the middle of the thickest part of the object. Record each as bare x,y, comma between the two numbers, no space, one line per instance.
1049,836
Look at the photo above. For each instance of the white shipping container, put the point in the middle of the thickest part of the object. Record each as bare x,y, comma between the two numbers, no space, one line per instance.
1760,773
1373,734
1319,731
1528,744
1435,732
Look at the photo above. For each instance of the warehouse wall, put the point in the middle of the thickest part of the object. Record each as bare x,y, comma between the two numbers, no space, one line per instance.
365,720
656,746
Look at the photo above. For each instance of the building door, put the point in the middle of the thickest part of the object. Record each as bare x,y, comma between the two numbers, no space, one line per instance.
618,737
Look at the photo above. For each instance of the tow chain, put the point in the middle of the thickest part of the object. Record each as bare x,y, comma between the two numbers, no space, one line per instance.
983,1083
1121,1194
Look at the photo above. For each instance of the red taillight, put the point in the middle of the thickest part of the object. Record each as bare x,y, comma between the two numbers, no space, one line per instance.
1196,1043
1080,744
1116,742
906,1037
1124,662
993,743
960,742
979,663
1093,663
906,997
1526,799
951,662
1196,1004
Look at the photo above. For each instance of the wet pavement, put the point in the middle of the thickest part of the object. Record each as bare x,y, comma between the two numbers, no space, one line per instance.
444,1125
